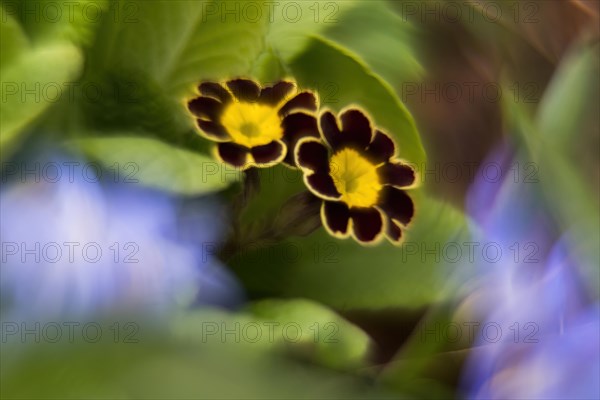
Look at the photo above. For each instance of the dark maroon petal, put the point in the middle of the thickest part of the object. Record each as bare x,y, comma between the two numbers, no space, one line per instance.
205,107
244,89
393,232
356,129
295,127
302,101
329,128
367,224
322,184
335,216
313,155
396,174
268,153
213,130
396,204
213,89
381,149
272,95
233,154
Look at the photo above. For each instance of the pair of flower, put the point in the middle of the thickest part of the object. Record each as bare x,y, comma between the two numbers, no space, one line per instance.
346,161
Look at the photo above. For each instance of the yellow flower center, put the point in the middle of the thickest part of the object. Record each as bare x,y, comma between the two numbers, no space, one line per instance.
252,124
355,178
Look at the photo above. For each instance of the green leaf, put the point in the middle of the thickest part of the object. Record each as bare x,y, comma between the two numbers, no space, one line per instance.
381,38
29,83
326,64
156,164
561,141
179,43
268,67
344,275
568,132
352,25
293,24
168,46
183,361
60,20
315,331
250,350
569,105
12,38
568,160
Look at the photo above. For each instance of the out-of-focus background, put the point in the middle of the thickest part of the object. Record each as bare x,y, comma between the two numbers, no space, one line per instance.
134,265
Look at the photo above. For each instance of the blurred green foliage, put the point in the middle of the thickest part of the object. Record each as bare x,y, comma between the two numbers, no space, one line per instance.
153,163
189,360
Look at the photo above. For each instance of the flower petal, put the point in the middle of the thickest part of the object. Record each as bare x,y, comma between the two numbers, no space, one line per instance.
205,107
244,89
295,127
330,130
381,149
336,218
213,131
312,155
393,232
367,225
215,90
233,154
270,153
396,174
302,101
321,184
396,204
356,129
273,95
